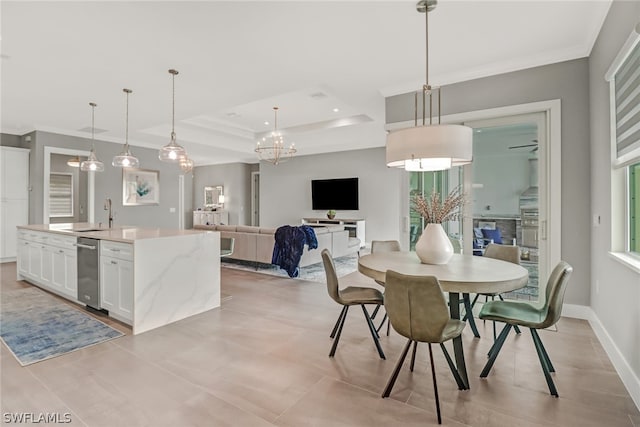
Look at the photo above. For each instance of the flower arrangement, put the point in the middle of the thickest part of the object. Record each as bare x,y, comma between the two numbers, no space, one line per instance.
331,214
436,211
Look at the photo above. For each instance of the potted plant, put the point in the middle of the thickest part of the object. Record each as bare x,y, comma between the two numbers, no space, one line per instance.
331,214
434,246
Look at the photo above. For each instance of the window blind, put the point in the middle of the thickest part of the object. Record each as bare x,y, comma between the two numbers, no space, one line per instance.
60,195
627,104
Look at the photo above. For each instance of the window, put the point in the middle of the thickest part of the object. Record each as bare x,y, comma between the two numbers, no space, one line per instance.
624,81
634,208
60,195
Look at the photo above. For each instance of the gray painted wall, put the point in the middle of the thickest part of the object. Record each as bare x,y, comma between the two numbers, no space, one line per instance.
109,183
236,180
568,81
615,289
285,196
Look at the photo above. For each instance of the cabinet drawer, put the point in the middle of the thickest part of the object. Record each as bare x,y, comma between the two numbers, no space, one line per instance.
118,250
65,242
33,236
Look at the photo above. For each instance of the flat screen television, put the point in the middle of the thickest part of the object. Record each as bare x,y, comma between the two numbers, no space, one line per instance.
339,194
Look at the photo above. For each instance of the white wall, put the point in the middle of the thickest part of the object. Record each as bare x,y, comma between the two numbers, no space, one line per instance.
615,288
285,195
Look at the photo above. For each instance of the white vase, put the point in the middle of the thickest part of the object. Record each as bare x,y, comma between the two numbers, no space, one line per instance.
434,246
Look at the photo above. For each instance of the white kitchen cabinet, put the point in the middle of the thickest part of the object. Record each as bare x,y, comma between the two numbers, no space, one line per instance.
116,279
14,198
65,271
35,260
23,257
50,261
116,287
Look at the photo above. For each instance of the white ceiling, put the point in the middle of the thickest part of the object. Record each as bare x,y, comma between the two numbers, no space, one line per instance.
239,59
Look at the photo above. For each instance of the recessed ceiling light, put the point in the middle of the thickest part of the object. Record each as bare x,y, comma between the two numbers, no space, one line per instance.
266,122
335,110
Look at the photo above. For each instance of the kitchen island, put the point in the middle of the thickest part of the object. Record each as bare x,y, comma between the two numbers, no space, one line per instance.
148,277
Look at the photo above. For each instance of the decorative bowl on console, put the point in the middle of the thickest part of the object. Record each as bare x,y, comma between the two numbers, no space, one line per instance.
331,214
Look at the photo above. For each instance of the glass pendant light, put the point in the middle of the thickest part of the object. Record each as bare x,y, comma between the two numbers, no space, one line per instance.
186,164
92,164
74,162
172,152
125,159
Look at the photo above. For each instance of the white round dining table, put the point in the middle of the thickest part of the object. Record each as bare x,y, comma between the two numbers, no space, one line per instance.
463,274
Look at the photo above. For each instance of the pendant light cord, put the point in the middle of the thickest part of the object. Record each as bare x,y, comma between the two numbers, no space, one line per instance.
126,127
93,116
173,103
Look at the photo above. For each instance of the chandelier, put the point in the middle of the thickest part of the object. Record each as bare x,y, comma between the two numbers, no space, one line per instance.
125,159
92,164
430,147
172,152
271,148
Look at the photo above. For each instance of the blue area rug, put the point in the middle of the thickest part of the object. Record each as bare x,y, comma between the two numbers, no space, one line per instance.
36,326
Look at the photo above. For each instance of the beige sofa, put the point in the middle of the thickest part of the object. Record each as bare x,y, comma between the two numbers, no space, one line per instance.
256,243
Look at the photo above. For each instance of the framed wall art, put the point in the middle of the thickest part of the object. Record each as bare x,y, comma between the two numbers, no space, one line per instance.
140,187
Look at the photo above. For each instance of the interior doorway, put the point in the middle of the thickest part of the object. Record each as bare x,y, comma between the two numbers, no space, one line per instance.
50,156
509,197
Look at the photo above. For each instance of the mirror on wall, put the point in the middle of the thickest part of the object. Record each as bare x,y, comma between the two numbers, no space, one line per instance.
213,196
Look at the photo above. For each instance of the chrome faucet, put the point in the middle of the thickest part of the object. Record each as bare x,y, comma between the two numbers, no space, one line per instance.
107,207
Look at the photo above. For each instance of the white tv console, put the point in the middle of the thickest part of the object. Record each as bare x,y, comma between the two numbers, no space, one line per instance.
354,226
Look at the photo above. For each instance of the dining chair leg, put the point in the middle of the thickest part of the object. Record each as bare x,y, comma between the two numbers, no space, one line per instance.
469,315
543,362
388,326
493,346
375,312
413,355
374,334
435,384
384,318
497,345
335,341
396,370
335,327
515,327
453,368
544,350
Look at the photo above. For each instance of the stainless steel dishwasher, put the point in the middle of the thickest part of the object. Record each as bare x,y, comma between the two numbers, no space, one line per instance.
89,271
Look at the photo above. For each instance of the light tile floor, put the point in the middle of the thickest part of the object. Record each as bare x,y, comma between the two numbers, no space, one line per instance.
261,360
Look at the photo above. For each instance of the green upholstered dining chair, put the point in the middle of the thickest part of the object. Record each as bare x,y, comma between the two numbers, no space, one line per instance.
351,295
378,246
496,251
418,310
523,314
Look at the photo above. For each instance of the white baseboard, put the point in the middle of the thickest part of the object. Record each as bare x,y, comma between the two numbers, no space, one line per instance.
628,377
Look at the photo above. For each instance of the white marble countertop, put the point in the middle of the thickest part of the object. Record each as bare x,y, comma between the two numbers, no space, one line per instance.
123,233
